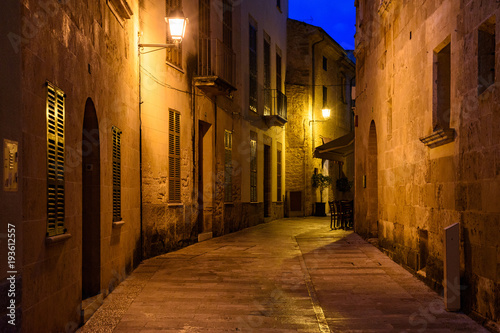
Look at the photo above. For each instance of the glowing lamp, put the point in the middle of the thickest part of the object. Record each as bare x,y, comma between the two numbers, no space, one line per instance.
177,24
326,113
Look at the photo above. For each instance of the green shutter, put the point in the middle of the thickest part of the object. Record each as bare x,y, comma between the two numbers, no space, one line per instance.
117,174
55,161
174,158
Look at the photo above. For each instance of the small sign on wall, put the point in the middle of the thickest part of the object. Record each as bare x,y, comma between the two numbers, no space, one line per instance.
10,165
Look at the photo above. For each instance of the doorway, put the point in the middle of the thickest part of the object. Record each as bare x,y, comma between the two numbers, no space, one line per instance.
205,178
267,181
372,182
91,203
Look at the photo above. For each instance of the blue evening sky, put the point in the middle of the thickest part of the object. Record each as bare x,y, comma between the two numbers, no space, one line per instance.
336,17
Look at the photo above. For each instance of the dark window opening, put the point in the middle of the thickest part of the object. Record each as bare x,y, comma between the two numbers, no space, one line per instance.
486,55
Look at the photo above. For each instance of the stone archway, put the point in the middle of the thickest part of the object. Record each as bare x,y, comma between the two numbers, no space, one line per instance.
91,203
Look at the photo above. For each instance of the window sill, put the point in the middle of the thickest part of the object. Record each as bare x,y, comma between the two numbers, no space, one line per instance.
118,224
439,137
175,204
175,67
57,239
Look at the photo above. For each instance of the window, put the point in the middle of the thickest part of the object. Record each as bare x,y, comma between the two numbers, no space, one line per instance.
442,88
204,54
174,54
278,4
228,166
253,67
253,167
278,70
117,195
267,74
325,63
55,161
343,88
486,55
325,97
227,23
174,156
278,172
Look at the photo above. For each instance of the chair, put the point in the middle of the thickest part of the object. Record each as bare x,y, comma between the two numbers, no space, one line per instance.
347,214
335,214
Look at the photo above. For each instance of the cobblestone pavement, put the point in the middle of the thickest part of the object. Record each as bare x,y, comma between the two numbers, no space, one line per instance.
290,275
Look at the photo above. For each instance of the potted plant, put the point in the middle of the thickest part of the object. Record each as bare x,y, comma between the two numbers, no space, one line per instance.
320,181
343,184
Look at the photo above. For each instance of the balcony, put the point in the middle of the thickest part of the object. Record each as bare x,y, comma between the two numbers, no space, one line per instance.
216,67
275,107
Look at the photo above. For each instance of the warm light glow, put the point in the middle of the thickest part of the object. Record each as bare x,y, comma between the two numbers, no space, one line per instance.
326,113
177,24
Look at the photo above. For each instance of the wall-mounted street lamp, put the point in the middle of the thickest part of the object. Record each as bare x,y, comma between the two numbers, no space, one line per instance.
177,23
326,113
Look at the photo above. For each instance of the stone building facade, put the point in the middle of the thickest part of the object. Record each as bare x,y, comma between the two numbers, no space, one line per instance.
115,152
427,145
319,75
231,107
72,93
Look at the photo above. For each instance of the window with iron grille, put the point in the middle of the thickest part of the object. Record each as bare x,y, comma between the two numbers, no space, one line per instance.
117,174
174,54
325,96
267,74
174,156
253,167
278,171
278,71
253,67
228,166
343,87
55,160
227,23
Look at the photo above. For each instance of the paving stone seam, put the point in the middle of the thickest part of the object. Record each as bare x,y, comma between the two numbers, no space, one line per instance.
318,310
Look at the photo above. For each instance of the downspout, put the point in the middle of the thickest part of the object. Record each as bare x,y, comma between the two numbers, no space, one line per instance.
314,86
140,152
195,179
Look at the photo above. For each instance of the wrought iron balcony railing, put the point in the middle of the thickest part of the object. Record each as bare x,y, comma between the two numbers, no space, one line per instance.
216,60
275,105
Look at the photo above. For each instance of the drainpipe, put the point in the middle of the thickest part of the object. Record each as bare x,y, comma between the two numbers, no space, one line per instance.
313,102
140,151
314,86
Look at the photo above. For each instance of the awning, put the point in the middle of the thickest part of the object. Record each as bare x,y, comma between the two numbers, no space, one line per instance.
336,150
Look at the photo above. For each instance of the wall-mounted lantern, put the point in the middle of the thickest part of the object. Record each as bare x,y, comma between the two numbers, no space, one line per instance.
326,113
177,23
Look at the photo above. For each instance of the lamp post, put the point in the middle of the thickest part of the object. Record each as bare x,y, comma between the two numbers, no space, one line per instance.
177,23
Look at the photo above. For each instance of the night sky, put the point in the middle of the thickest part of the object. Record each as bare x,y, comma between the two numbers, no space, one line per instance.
336,17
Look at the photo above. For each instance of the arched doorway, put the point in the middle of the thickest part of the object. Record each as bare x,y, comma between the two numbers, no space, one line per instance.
372,183
91,203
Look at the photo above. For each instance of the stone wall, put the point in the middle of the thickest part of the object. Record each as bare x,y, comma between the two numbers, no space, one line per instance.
407,192
306,127
85,51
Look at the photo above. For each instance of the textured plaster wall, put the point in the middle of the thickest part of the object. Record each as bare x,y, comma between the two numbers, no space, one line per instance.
414,191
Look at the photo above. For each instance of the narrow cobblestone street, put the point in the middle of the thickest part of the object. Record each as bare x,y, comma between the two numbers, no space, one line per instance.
290,275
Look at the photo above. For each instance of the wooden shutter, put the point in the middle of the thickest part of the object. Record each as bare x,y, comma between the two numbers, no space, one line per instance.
174,158
55,161
117,197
